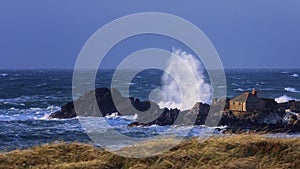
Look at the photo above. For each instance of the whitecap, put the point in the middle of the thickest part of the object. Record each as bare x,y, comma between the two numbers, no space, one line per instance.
234,84
45,117
239,89
41,85
284,98
53,108
34,108
132,118
3,74
295,75
131,83
112,115
51,97
292,90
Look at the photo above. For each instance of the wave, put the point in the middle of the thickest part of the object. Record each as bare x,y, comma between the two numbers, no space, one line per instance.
292,90
131,83
295,75
41,85
267,89
33,113
177,89
112,115
239,89
19,99
234,84
12,103
284,98
3,74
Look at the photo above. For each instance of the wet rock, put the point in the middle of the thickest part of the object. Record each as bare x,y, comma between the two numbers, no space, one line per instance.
107,101
275,118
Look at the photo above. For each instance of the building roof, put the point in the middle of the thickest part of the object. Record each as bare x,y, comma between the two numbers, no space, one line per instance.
241,98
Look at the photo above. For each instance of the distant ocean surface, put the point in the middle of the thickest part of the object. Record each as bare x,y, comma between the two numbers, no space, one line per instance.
27,97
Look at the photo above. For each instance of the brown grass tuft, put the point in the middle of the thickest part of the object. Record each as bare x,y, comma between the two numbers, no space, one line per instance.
240,151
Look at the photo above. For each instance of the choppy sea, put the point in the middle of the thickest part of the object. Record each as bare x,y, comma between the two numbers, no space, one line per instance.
27,97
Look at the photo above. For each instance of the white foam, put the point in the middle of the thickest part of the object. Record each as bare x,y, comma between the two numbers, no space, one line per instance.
234,84
19,99
35,108
179,90
41,85
113,115
290,89
3,74
239,89
295,75
132,118
45,117
284,98
53,108
131,83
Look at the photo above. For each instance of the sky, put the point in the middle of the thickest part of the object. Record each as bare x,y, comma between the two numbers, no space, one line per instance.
49,34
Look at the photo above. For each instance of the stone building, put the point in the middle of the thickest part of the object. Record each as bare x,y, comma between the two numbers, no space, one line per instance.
247,102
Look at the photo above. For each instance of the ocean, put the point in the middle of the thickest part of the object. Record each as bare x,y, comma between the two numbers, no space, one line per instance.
27,97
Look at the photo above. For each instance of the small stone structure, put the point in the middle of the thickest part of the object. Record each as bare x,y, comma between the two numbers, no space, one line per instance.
247,102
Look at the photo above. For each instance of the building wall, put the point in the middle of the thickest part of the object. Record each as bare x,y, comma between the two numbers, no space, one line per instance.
238,106
255,106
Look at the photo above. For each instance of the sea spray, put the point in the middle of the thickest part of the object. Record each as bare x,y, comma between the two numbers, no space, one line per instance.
178,81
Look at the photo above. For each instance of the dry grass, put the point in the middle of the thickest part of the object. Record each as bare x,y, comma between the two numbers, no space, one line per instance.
241,151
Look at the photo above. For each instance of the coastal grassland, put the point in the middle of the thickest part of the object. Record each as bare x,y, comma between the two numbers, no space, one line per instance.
238,151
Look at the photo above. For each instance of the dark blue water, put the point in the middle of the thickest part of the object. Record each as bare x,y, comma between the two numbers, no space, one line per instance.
27,97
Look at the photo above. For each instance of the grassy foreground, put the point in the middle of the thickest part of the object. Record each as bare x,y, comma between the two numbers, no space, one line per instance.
241,151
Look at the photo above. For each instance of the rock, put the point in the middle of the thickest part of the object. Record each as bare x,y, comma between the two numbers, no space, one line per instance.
197,115
275,117
67,111
293,106
105,103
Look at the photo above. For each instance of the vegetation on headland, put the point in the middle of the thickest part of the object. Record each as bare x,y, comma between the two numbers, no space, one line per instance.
238,151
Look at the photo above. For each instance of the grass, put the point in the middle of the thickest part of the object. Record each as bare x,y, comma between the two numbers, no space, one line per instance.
240,151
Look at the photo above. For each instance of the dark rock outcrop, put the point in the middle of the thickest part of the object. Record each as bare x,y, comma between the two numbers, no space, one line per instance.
275,118
105,103
293,105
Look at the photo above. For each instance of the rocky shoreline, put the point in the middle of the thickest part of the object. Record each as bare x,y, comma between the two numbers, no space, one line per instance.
277,118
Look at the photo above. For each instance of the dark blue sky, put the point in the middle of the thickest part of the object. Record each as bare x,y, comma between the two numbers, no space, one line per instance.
246,34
